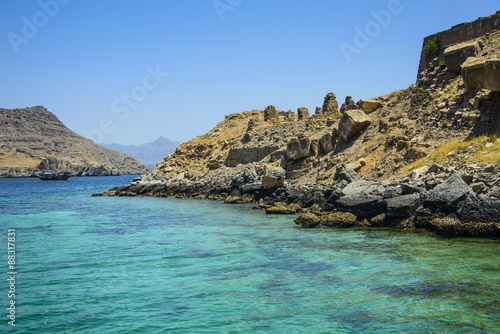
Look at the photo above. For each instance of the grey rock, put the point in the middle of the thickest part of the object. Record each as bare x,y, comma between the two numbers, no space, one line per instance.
478,187
251,187
363,188
489,169
402,206
327,143
349,175
392,191
449,193
408,189
363,206
476,210
298,148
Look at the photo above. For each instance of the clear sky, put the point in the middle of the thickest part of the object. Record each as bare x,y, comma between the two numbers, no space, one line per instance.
131,71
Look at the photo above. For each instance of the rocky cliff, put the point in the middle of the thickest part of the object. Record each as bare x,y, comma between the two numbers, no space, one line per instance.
424,157
33,139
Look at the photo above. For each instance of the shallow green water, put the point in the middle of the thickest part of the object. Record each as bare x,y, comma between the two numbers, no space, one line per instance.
145,265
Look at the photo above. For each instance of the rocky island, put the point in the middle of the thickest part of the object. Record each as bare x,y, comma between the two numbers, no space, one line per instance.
34,139
423,157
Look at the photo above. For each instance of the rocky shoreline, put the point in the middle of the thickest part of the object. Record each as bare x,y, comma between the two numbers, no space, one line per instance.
453,204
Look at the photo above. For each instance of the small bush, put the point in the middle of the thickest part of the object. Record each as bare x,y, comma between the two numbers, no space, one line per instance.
432,49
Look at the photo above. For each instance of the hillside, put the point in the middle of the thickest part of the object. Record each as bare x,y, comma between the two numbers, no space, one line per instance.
33,139
149,153
423,157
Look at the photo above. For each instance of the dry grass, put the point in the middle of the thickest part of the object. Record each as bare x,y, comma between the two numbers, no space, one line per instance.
18,159
488,154
484,154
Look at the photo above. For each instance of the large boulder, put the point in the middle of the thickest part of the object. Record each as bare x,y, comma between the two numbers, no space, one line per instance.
369,106
402,206
363,206
298,148
274,177
348,175
446,196
474,210
249,175
327,142
352,122
481,73
363,188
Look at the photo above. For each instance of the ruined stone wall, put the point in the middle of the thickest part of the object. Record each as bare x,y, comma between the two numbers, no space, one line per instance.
461,33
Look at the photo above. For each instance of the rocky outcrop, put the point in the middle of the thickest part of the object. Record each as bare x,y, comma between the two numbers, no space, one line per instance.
271,115
454,56
349,104
303,113
330,105
481,73
34,140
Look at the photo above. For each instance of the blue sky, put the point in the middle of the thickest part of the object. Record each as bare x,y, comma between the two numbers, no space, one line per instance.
131,71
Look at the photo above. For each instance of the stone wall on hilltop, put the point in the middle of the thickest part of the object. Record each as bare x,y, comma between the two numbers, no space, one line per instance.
461,33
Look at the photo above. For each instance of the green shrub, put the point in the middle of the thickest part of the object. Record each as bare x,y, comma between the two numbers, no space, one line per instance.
432,49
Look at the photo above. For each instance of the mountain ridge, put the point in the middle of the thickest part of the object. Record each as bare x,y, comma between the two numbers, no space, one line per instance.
149,154
34,139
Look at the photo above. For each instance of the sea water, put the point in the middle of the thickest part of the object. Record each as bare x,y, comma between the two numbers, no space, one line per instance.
88,264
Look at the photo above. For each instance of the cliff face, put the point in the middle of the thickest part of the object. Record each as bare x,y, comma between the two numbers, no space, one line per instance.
426,156
33,139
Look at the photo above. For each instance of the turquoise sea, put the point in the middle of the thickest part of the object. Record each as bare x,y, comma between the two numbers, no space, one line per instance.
149,265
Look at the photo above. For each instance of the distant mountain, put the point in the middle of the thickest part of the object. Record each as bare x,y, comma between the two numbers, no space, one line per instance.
33,139
148,154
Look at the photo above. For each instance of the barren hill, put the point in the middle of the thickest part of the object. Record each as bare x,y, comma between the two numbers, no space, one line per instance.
33,139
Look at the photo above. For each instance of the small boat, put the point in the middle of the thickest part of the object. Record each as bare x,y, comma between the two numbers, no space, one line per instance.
54,176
